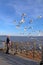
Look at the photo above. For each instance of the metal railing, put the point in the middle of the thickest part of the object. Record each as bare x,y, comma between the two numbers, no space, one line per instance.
30,50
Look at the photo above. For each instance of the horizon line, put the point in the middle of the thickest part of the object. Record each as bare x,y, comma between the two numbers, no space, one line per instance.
21,35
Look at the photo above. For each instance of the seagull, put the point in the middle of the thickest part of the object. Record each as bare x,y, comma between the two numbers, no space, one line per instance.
29,34
30,21
22,33
22,21
23,15
40,46
40,16
30,27
39,31
14,21
25,28
17,26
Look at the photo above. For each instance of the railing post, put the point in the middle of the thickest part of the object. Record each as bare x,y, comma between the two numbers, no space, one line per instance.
33,50
41,63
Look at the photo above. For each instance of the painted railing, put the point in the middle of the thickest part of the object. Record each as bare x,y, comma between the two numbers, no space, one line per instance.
31,50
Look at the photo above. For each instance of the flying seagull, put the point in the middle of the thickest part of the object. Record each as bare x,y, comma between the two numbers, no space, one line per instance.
17,26
39,16
30,21
22,21
24,15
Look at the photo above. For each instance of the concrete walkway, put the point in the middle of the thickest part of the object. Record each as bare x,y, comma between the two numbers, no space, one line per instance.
3,62
8,59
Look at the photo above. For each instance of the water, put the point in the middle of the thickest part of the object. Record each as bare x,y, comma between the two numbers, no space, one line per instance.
23,39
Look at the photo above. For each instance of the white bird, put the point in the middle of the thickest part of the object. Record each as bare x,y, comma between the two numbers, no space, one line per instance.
30,27
14,21
25,28
39,16
30,21
24,14
17,26
22,33
39,31
22,21
40,46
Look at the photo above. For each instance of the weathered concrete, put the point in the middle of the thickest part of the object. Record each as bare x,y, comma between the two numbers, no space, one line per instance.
2,62
8,59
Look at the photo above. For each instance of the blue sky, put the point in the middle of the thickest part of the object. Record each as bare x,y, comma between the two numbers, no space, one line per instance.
11,12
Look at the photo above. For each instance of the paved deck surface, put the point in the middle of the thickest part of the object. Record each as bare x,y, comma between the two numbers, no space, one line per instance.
8,59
